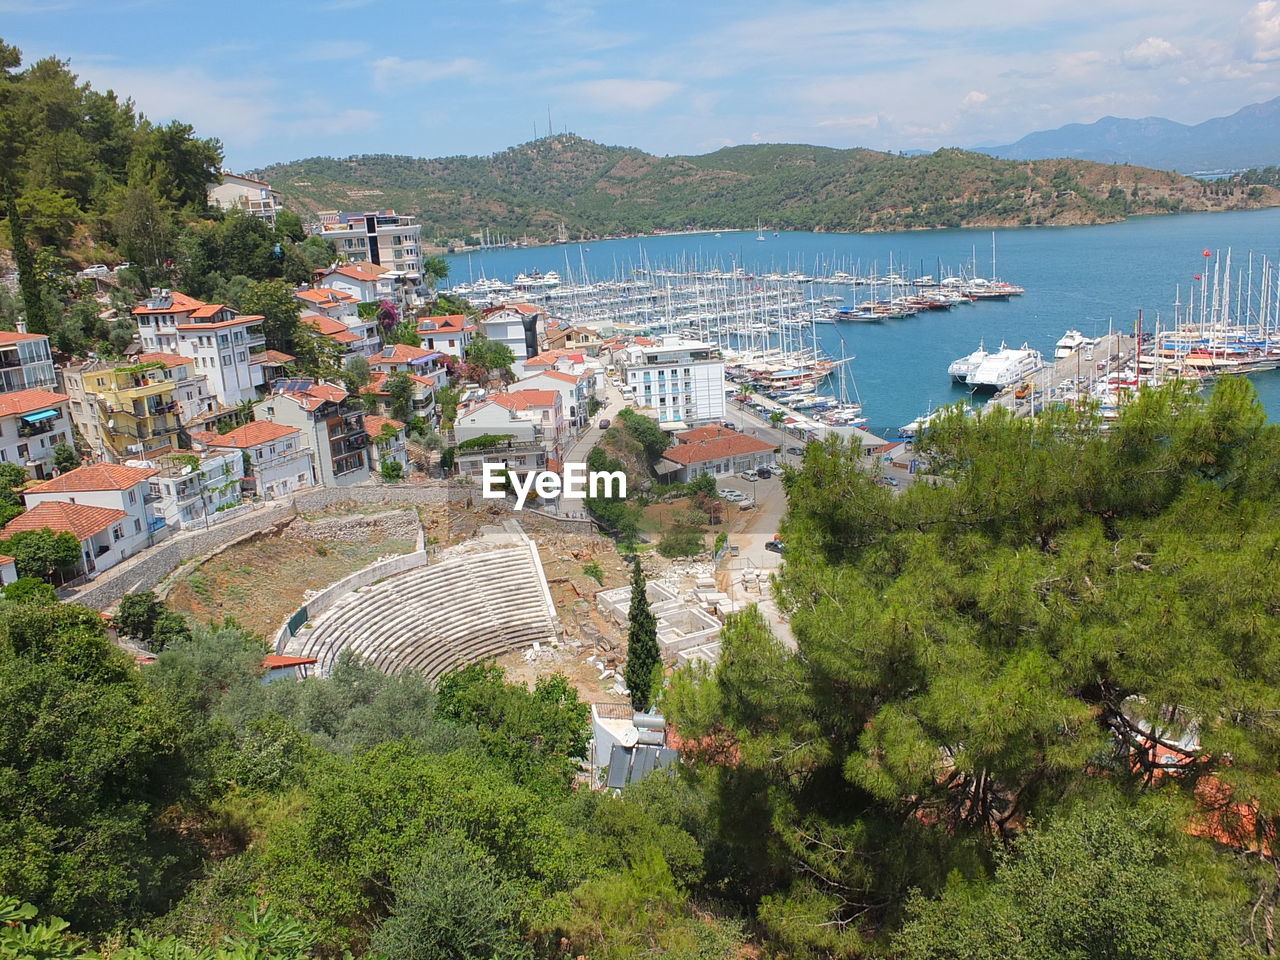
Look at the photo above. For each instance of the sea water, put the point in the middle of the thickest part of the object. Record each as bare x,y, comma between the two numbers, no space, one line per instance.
1091,279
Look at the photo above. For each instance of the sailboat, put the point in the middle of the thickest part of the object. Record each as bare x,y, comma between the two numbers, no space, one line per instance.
759,231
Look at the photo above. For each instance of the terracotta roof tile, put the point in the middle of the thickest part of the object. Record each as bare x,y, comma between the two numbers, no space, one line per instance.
373,424
8,336
250,435
25,401
168,359
525,399
77,518
719,448
272,357
95,476
181,304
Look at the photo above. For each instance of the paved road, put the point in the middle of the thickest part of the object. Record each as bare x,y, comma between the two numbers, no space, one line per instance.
577,453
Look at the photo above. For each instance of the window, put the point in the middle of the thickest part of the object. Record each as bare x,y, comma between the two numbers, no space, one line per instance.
117,533
133,497
137,525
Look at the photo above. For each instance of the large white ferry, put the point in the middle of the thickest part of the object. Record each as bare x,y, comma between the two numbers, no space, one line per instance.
1005,367
960,369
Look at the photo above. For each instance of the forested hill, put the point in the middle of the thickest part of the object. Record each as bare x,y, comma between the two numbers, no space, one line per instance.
594,190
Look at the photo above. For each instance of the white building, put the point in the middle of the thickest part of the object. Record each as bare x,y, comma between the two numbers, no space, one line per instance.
382,237
365,281
191,489
256,197
25,362
576,391
112,490
32,423
450,335
528,415
220,341
683,380
387,442
277,462
8,570
101,531
328,423
521,326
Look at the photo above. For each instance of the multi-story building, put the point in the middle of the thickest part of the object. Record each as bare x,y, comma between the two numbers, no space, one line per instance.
274,459
190,489
358,338
32,423
450,335
381,236
367,282
387,442
220,341
25,362
683,380
521,326
126,411
522,415
101,531
235,192
328,423
422,400
120,490
576,391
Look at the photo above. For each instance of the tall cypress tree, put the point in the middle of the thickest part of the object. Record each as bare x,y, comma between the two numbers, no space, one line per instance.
642,643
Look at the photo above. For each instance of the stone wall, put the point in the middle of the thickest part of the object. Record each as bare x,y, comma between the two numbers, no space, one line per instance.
353,528
408,494
149,568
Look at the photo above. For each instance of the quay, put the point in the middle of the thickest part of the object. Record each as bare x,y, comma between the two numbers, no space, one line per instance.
1049,384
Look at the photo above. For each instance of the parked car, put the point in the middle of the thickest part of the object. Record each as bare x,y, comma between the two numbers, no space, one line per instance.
764,473
776,545
604,424
890,482
748,475
796,451
733,496
747,504
728,424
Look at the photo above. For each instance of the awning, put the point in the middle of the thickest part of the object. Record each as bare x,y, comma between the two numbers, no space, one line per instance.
41,416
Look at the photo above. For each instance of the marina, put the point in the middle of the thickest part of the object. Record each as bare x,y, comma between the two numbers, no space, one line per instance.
1089,279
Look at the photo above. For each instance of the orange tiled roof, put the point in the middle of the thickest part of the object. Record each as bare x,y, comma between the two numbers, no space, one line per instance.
373,424
326,296
399,353
249,435
548,358
5,561
77,518
181,304
719,448
208,310
272,356
363,270
8,336
24,401
95,476
221,324
325,325
453,323
524,399
559,375
710,432
274,660
168,359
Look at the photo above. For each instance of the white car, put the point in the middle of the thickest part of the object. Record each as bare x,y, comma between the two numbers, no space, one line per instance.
733,496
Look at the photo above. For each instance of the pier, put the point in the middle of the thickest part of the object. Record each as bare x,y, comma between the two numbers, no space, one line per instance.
1110,354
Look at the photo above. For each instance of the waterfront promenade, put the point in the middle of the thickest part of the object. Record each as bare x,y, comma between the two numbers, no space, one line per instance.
1107,356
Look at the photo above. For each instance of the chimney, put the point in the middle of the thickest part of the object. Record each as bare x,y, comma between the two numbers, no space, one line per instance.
21,324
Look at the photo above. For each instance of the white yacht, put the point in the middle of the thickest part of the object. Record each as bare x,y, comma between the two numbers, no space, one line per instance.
1071,341
960,369
1005,367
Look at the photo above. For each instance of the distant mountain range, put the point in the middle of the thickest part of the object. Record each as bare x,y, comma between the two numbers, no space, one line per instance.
568,187
1250,137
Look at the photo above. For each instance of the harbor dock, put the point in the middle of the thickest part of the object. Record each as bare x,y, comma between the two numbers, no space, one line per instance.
1071,377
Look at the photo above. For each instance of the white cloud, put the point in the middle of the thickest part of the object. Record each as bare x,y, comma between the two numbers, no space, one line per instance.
1150,53
869,122
972,99
392,73
623,94
1259,39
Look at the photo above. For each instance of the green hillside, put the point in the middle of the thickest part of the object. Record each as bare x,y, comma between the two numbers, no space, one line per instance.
595,190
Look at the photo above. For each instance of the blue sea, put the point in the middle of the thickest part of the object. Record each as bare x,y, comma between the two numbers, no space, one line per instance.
1086,278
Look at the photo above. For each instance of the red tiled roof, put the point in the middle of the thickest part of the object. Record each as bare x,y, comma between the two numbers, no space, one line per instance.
710,432
363,270
5,561
221,324
181,304
453,323
168,359
272,356
373,424
376,380
208,310
325,296
718,448
524,399
77,518
560,375
399,353
548,358
25,401
326,391
8,336
250,435
273,661
95,476
325,325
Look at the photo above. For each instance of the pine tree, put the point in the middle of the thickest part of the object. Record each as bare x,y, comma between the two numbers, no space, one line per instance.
642,643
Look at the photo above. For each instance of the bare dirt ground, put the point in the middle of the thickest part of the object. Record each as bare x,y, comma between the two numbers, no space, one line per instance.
262,581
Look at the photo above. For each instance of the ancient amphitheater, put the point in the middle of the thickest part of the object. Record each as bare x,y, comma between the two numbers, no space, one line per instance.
479,599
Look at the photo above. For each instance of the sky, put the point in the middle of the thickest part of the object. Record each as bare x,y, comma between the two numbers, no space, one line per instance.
282,80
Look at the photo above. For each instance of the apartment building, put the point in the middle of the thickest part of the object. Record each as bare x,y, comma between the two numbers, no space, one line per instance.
127,411
683,380
220,341
387,442
190,489
528,415
328,424
32,423
382,237
25,362
521,326
234,192
274,459
450,335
